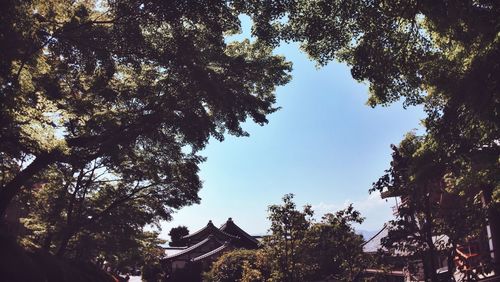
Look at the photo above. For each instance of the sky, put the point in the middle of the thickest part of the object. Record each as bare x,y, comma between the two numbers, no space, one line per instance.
324,145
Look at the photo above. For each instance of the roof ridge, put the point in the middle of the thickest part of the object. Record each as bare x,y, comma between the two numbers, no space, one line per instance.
210,225
199,230
248,236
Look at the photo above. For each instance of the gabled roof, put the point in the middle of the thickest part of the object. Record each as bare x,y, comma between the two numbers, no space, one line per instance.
209,229
195,246
210,242
231,228
213,252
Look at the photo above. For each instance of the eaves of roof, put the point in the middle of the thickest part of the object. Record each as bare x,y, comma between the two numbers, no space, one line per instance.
213,252
193,247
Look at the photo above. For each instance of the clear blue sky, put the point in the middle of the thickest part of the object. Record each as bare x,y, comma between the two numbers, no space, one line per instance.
325,145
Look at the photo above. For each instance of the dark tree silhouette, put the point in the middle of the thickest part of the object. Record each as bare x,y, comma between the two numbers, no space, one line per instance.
138,86
176,234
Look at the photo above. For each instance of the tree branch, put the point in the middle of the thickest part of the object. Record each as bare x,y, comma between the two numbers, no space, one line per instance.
9,191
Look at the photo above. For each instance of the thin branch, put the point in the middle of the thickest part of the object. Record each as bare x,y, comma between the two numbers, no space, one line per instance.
69,210
118,202
109,180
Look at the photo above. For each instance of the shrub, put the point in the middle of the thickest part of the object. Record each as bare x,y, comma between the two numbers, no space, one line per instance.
239,265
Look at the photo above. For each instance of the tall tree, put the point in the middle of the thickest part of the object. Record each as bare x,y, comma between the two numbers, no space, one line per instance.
84,216
334,249
72,201
431,204
139,86
285,245
299,249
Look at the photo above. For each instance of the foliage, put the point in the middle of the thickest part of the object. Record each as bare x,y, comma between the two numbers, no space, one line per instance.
18,264
151,272
443,55
298,249
401,50
139,87
285,246
82,214
176,233
334,248
240,265
432,205
104,107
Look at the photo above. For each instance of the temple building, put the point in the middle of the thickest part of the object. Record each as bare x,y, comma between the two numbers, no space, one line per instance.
205,246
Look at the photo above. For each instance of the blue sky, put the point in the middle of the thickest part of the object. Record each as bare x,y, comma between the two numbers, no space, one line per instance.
325,145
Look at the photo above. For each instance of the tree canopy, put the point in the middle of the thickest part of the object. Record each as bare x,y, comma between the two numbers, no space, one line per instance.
138,86
443,55
239,265
104,107
299,249
433,214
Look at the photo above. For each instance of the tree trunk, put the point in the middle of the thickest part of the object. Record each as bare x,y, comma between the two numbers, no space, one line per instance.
292,258
54,216
12,188
47,241
63,246
431,269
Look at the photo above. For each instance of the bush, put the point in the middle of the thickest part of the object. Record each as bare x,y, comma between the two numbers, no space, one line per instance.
152,272
239,265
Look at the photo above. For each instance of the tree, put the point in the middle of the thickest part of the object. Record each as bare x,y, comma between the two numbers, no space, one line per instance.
125,254
401,50
139,87
240,265
300,250
432,207
118,237
285,246
71,204
176,234
334,248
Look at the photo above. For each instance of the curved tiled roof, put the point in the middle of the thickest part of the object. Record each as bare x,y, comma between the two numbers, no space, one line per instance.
213,252
210,229
193,247
210,242
240,232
